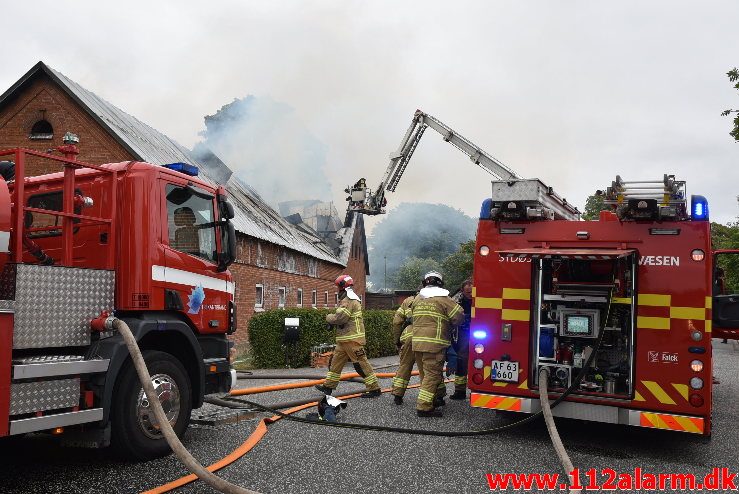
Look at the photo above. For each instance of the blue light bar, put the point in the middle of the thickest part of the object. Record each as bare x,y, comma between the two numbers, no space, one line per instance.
698,208
185,168
479,334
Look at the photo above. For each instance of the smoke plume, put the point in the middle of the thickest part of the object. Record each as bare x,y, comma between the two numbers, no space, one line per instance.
268,146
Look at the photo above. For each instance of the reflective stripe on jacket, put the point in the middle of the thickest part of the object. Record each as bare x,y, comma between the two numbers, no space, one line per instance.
401,332
348,321
433,319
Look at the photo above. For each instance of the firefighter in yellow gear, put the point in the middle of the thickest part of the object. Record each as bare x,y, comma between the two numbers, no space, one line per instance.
434,315
350,341
462,343
402,335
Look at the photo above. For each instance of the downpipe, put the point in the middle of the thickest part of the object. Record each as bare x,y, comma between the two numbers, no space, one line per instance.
173,441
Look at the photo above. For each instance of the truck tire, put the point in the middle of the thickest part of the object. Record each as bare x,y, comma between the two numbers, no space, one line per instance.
134,433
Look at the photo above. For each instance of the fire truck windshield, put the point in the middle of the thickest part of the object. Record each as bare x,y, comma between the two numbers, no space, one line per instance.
190,222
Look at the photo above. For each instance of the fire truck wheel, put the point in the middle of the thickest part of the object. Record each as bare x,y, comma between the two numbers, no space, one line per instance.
135,431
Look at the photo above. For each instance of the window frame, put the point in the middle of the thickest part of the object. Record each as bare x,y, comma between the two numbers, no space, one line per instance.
299,297
314,298
259,288
281,297
325,298
168,187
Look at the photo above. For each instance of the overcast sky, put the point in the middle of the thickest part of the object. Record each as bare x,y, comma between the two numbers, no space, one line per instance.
570,92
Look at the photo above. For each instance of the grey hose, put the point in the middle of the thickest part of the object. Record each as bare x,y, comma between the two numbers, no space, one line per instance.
559,448
178,449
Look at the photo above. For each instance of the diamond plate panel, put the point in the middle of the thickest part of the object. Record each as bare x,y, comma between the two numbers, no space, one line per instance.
44,395
54,304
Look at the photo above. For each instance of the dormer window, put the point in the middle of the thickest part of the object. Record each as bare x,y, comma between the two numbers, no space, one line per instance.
42,130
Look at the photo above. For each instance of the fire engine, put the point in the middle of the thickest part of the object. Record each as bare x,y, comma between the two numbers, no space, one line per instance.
150,244
635,287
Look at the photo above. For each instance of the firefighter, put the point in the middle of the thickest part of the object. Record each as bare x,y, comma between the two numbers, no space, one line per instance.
349,341
402,334
434,315
462,343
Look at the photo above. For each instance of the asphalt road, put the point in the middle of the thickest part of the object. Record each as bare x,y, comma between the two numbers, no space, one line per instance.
299,458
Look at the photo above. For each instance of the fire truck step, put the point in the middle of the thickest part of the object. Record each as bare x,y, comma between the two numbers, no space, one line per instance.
46,422
57,365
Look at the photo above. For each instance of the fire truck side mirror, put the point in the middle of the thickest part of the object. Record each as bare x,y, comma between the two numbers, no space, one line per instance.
227,209
228,246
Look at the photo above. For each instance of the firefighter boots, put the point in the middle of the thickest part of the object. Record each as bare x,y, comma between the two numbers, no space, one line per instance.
324,389
398,400
374,393
429,413
458,395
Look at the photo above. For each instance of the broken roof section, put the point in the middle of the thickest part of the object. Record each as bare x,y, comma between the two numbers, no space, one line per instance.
253,216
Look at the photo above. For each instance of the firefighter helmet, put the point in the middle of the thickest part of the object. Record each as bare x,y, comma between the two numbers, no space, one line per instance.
344,281
433,278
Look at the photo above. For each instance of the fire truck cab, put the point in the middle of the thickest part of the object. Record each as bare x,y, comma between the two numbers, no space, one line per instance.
635,287
149,244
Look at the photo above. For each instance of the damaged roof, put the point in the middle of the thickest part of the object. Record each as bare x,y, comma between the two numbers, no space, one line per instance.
253,216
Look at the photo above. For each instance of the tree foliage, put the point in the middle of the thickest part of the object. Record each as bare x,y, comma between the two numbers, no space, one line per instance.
458,266
593,206
733,75
416,230
727,237
409,275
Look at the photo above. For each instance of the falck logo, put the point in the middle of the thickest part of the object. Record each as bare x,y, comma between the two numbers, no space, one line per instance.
195,299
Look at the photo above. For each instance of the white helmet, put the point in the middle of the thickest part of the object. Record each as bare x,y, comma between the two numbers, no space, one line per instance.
433,278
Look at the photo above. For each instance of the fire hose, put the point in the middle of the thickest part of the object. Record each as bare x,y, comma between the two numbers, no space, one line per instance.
224,486
169,434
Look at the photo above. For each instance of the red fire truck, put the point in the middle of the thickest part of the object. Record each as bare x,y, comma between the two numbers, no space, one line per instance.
635,287
150,244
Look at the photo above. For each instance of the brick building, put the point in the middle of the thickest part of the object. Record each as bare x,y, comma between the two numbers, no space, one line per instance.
279,263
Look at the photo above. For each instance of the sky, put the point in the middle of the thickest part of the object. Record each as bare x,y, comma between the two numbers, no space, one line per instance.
573,93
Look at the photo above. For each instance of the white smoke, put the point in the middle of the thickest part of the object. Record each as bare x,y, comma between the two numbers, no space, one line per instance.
270,148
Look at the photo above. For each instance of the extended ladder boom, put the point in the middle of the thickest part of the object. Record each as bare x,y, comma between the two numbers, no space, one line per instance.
532,194
363,200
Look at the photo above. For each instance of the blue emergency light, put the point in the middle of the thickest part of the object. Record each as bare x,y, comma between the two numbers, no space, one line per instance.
479,334
185,168
698,208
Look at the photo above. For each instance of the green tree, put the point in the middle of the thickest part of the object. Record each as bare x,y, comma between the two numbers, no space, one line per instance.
733,77
727,237
425,231
593,206
409,275
458,266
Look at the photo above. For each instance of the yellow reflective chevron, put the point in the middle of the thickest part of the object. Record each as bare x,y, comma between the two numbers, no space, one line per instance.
654,300
645,322
688,313
488,303
659,393
516,294
682,389
515,315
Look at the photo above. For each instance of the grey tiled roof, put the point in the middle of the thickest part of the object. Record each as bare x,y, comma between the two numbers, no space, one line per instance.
253,216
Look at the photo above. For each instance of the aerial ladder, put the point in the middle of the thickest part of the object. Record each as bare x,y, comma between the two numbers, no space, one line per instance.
530,196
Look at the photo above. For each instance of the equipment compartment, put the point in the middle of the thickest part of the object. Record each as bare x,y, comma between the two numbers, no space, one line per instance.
575,299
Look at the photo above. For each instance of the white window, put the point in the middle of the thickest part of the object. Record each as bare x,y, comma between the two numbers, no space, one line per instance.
281,296
325,299
259,299
313,298
300,297
337,300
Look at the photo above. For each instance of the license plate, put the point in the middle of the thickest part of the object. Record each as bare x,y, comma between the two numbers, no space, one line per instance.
504,370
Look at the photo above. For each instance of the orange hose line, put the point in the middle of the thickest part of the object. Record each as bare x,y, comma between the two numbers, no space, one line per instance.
303,384
252,441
